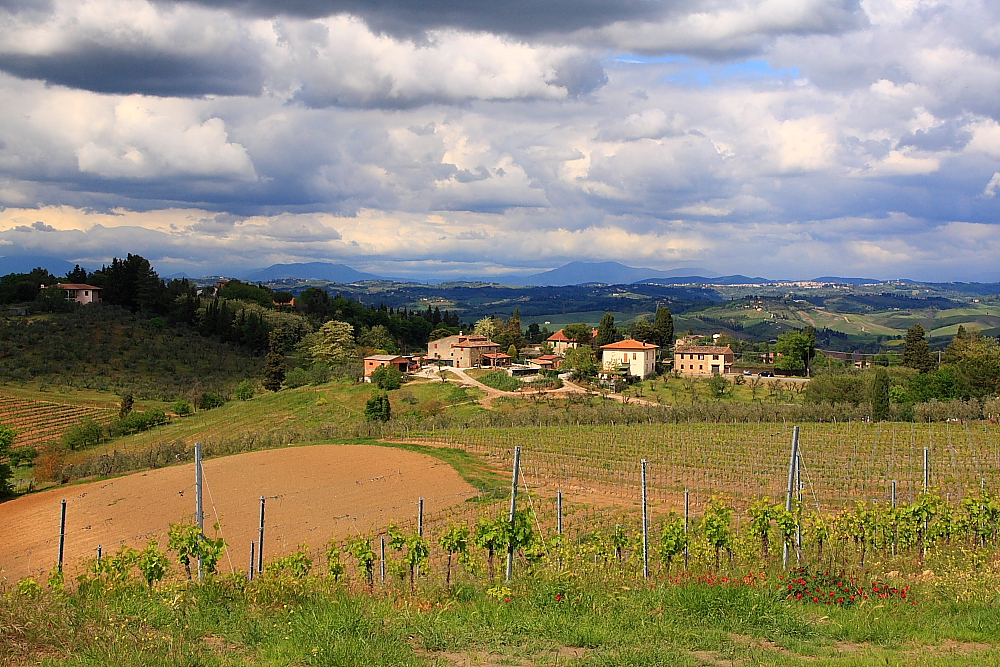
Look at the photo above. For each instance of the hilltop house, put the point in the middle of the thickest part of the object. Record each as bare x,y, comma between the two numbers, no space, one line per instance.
81,293
703,359
630,357
461,351
561,342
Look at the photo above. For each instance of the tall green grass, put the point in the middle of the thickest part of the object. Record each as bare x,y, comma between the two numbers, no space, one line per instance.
545,619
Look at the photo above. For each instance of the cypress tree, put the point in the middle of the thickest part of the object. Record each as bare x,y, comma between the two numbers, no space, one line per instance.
916,351
956,349
663,325
606,331
274,365
880,395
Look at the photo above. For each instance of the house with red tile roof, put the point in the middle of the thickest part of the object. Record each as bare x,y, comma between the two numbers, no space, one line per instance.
703,359
461,351
561,342
630,357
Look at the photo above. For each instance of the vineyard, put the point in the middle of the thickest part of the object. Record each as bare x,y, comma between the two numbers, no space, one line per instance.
38,422
841,462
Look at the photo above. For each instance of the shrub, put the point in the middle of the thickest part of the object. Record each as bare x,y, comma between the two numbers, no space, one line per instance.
182,408
387,378
377,408
138,421
244,391
297,377
500,380
87,433
319,373
210,400
22,456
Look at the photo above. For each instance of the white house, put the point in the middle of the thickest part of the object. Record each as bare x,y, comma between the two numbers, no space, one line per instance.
81,293
638,358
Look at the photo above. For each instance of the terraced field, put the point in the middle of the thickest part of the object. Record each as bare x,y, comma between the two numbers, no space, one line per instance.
38,422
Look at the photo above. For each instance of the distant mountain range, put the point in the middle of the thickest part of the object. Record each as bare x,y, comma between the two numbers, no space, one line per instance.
28,263
609,273
334,273
574,273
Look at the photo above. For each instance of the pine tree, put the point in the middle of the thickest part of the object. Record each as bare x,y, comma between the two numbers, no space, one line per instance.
916,351
606,331
880,395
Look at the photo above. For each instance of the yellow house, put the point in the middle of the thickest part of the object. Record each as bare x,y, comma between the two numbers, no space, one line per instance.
638,358
703,359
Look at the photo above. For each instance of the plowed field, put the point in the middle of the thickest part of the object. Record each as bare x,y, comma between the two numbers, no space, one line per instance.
312,493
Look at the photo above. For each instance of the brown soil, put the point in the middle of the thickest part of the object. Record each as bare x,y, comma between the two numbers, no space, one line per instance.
312,493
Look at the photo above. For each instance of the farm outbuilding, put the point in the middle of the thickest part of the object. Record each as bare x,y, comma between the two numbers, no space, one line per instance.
401,363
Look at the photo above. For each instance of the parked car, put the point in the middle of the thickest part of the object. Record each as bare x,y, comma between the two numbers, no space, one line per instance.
746,373
766,374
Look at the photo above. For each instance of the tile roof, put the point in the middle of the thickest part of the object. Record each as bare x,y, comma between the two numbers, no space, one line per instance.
630,344
703,349
76,286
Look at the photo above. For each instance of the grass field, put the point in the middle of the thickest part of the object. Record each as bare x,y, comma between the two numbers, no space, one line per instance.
547,619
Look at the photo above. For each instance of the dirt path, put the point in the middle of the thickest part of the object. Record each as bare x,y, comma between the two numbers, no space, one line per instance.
312,493
567,388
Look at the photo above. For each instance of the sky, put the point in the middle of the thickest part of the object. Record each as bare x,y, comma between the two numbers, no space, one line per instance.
474,138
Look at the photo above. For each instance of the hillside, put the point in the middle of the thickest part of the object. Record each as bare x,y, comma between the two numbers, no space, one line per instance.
107,348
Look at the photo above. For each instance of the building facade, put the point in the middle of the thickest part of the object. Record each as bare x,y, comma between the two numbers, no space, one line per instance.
461,351
703,359
81,293
561,342
378,360
635,358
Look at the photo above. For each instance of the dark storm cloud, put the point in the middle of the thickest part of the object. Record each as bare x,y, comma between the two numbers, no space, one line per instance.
952,135
514,17
106,69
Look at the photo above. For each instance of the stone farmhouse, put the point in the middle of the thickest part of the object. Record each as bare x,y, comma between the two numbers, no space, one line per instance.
703,359
461,351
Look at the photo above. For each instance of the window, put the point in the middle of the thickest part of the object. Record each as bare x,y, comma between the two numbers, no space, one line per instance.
701,367
700,357
715,357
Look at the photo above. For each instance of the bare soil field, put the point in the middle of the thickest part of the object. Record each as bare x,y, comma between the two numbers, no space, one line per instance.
313,493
